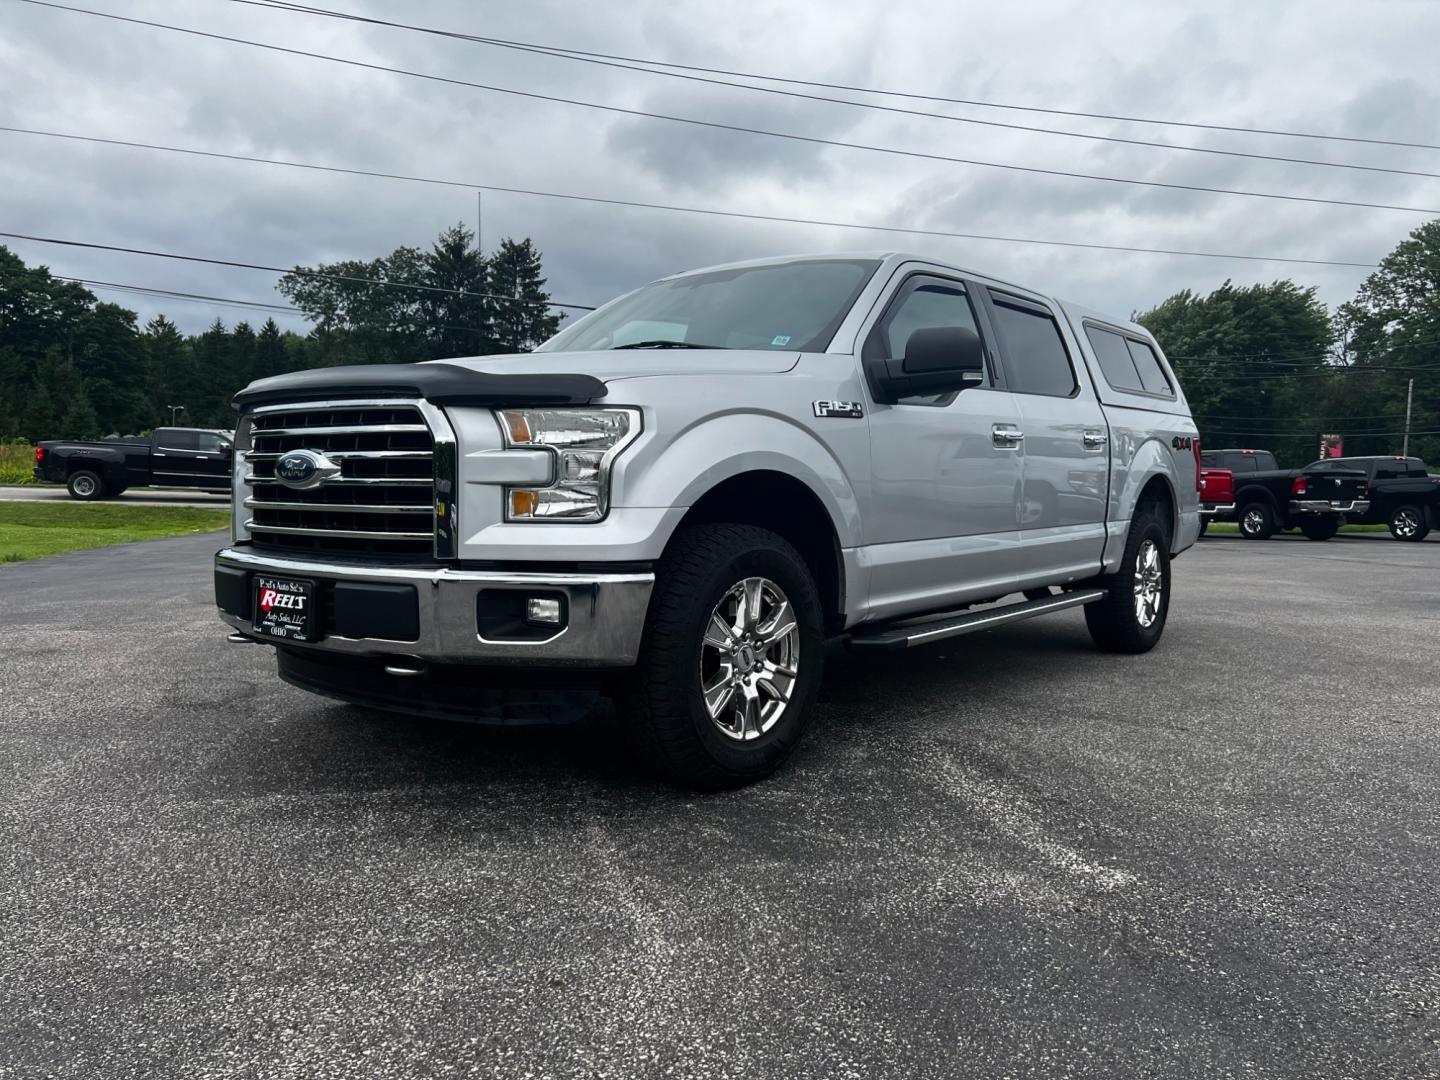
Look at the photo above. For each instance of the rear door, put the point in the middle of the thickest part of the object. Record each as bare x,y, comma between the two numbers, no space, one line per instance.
1065,467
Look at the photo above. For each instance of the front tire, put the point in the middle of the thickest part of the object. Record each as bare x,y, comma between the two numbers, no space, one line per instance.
1204,524
1131,617
732,656
85,485
1321,528
1257,521
1408,523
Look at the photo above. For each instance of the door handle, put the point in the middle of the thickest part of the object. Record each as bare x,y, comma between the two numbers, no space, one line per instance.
1005,436
1094,440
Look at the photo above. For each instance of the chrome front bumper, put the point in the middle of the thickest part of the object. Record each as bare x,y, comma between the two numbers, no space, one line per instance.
1328,506
605,612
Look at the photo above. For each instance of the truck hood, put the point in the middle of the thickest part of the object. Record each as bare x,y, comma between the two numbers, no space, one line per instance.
614,364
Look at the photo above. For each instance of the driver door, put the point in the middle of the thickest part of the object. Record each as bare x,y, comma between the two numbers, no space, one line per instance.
941,526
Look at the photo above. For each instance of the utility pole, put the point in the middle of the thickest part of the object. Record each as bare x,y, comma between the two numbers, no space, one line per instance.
479,269
181,408
1409,396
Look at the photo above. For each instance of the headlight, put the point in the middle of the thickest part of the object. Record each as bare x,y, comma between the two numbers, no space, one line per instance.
585,443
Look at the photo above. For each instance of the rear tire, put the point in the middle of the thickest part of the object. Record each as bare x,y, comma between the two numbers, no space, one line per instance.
1131,617
1408,523
708,653
85,485
1321,528
1204,524
1257,521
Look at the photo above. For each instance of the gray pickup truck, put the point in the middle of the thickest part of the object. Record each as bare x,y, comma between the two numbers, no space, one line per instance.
680,497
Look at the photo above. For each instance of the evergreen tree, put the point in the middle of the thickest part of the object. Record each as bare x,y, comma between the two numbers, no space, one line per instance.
242,358
271,355
80,421
456,320
522,319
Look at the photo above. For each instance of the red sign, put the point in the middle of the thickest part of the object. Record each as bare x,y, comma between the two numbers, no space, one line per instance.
1332,446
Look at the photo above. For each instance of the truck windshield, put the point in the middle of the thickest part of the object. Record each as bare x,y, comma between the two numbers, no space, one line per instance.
794,306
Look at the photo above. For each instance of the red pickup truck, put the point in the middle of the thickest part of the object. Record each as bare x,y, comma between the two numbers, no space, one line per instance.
1217,495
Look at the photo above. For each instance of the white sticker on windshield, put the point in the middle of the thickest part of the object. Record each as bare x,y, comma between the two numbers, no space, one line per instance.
780,339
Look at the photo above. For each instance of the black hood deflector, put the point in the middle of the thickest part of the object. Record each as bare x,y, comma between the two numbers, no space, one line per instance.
444,384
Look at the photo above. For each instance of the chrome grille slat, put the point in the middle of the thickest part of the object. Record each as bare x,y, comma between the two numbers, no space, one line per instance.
359,534
345,455
346,429
353,481
386,490
347,508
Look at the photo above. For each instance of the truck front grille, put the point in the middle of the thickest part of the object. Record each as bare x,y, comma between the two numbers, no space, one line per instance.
384,500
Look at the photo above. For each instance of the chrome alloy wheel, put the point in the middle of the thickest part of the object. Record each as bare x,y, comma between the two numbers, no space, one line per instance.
749,659
1405,523
84,486
1149,583
1253,522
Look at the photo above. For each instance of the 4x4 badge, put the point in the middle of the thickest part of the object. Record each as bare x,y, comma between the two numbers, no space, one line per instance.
847,410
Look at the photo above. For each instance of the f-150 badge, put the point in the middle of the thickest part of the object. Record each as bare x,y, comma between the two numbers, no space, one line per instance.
845,410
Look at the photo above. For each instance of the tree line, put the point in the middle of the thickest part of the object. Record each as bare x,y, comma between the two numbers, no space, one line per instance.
1265,366
73,366
1269,367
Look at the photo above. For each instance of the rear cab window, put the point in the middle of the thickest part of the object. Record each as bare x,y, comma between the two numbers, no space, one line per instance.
1128,363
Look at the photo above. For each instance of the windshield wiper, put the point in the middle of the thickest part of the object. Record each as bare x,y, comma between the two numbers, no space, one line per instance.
664,343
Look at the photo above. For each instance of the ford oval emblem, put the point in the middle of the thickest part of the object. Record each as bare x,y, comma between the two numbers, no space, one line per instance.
301,469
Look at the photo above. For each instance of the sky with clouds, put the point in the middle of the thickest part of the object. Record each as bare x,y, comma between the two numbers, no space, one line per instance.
1306,65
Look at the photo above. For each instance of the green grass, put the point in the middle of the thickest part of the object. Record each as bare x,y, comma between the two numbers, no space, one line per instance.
1231,527
17,460
34,530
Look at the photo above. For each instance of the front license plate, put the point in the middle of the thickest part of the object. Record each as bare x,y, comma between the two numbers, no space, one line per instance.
284,608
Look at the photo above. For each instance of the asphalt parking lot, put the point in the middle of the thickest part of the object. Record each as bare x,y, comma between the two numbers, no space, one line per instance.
1008,855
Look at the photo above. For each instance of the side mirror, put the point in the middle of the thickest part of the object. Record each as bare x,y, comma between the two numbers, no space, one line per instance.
938,360
934,349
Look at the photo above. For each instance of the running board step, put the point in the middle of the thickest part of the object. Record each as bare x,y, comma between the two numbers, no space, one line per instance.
923,633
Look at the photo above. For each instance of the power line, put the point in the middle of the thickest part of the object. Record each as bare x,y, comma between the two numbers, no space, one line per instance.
621,64
460,292
201,298
565,51
790,136
636,204
296,271
1305,434
173,294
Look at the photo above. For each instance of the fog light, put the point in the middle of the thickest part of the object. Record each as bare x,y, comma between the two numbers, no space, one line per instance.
543,611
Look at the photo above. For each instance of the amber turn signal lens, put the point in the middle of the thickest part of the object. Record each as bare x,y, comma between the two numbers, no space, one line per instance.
518,425
523,503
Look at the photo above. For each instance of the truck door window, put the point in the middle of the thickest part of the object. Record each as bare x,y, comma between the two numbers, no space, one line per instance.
1152,376
921,303
1115,362
175,439
1034,352
208,443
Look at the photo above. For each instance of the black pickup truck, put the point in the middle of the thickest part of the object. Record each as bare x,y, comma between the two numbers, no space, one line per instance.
169,458
1402,494
1267,499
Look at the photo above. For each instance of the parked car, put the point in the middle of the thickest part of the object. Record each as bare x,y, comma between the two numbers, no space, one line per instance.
1267,498
1402,494
169,458
680,496
1217,495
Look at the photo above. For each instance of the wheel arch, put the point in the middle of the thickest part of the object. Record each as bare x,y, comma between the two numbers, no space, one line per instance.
787,506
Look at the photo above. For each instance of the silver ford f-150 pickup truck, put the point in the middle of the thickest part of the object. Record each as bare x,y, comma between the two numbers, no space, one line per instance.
678,499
